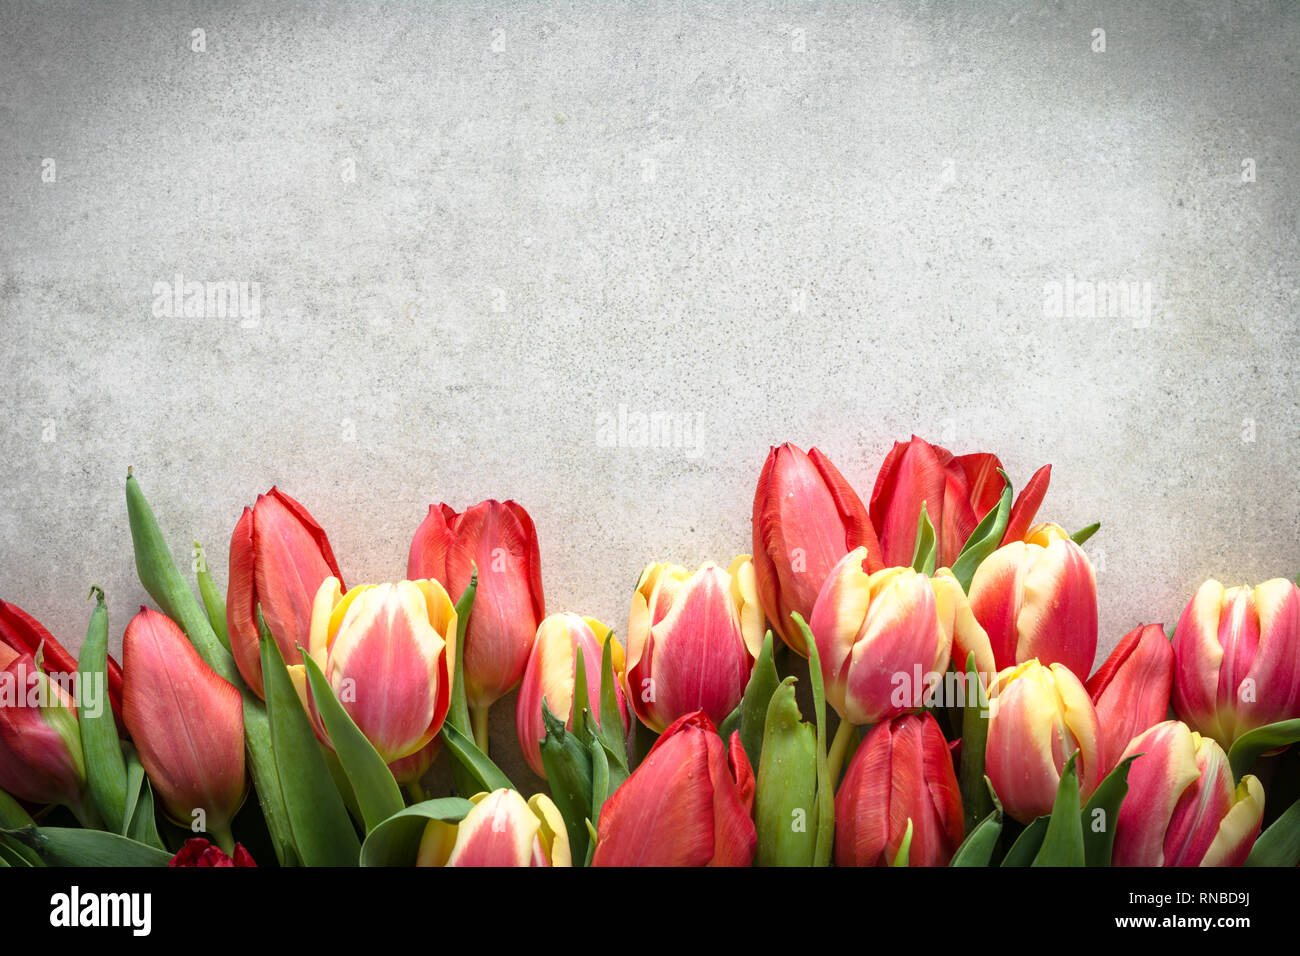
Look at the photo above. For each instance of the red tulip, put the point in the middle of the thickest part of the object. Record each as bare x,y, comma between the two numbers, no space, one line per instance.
902,771
1130,691
498,539
689,803
198,852
279,556
186,720
957,492
41,759
806,517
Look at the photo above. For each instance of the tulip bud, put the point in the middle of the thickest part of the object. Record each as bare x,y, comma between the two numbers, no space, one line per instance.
1037,601
687,804
279,556
550,674
388,652
786,795
501,830
806,517
902,771
1130,691
41,759
1237,658
957,491
1038,716
1181,808
881,637
498,540
692,641
186,720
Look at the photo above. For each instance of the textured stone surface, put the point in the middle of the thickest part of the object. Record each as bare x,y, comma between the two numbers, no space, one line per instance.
479,230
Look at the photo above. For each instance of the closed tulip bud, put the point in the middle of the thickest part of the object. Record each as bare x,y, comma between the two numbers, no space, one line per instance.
388,652
187,722
1130,691
41,760
1038,716
689,803
1037,601
1181,808
806,517
902,771
279,556
502,830
957,491
692,641
550,674
1237,658
883,637
499,541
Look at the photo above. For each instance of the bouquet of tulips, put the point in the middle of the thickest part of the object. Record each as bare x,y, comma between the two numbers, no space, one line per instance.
906,682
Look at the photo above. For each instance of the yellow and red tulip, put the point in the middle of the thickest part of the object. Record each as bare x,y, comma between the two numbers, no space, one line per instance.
1237,658
958,491
388,651
1130,691
806,517
692,640
41,759
279,556
1038,716
1181,808
499,541
550,676
502,830
689,803
902,771
187,722
1036,599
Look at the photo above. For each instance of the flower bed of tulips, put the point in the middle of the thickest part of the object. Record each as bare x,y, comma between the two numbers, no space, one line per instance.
903,682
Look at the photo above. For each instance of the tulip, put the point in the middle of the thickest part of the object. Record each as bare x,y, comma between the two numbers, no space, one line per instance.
279,556
901,772
198,852
41,759
496,539
1039,715
1036,600
689,803
957,493
1237,658
502,830
1130,691
187,722
692,641
806,517
549,677
1181,808
388,651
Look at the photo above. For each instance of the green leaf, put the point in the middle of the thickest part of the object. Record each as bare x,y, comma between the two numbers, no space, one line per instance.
977,849
458,712
580,705
825,789
213,605
1250,746
923,557
569,776
74,846
1097,844
1063,840
14,817
763,680
975,796
986,538
904,848
611,731
1083,534
377,794
396,841
141,823
483,774
105,768
785,798
1027,845
322,830
1279,845
600,790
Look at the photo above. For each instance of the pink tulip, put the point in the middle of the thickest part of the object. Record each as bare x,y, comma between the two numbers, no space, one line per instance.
502,830
1181,808
1237,658
1130,691
806,517
692,640
41,760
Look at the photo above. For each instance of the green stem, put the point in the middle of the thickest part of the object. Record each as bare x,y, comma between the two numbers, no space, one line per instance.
87,815
478,718
839,746
225,839
415,790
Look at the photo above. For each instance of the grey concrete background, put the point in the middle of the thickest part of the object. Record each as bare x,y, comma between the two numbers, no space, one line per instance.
478,230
